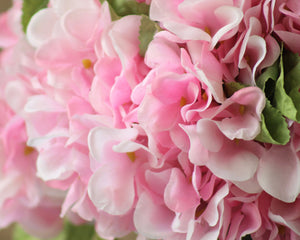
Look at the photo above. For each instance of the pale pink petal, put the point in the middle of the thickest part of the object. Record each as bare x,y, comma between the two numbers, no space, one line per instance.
233,165
162,52
81,23
63,6
124,36
209,135
290,39
196,148
152,220
111,227
211,213
179,193
249,186
98,137
273,52
231,16
157,181
42,103
111,187
41,26
279,173
54,163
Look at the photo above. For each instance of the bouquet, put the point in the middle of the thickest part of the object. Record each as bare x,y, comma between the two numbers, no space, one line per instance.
172,119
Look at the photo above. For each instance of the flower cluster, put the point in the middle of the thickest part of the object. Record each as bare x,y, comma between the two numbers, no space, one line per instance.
170,119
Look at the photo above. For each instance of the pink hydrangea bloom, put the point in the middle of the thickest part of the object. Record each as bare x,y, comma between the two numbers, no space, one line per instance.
93,131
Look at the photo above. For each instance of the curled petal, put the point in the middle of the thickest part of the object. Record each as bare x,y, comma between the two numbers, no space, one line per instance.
279,173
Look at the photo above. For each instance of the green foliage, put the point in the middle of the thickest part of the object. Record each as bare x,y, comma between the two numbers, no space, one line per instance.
148,28
30,7
231,87
274,128
20,234
85,231
281,84
282,100
128,7
70,232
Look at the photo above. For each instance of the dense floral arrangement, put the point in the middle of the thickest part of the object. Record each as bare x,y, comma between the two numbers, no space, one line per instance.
173,119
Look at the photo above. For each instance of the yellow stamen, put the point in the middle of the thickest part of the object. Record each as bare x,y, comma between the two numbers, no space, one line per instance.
237,141
28,150
207,30
247,58
200,209
87,63
183,101
204,96
281,230
242,110
131,156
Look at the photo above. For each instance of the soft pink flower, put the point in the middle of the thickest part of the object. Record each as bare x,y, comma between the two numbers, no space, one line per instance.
234,160
219,19
111,188
239,116
287,23
24,195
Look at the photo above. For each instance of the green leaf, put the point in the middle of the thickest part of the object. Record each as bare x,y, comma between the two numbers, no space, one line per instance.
267,80
20,234
148,28
292,79
290,60
274,128
84,231
30,7
231,87
282,100
128,7
70,232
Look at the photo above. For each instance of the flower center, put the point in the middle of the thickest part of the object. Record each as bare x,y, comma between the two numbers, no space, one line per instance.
204,96
131,156
87,63
207,30
28,150
182,101
242,110
200,209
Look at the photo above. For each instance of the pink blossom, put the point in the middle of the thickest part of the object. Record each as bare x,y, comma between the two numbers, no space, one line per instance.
24,195
209,147
287,23
239,116
219,20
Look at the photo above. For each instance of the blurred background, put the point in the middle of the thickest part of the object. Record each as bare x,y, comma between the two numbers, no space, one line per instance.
5,234
4,4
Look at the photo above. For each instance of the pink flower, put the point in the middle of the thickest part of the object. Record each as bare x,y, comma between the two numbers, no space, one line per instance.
239,116
287,23
219,19
209,147
111,187
24,195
